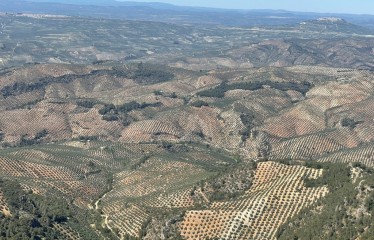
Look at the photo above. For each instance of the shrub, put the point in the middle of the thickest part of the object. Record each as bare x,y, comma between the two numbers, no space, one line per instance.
2,135
107,108
348,122
158,92
173,95
110,117
199,103
88,138
86,103
219,91
26,141
150,74
247,120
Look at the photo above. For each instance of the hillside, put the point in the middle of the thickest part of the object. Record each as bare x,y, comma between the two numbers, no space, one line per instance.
33,38
113,129
114,123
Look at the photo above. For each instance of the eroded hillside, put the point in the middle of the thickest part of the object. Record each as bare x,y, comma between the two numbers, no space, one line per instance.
143,130
140,140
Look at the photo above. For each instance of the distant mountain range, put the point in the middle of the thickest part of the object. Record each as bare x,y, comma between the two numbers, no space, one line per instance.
163,12
109,3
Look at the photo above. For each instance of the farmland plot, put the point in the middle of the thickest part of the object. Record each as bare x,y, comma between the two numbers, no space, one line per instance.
278,193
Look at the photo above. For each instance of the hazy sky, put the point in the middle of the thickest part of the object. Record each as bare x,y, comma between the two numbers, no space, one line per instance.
326,6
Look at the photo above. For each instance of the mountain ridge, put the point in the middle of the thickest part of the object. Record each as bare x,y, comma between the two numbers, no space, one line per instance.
172,13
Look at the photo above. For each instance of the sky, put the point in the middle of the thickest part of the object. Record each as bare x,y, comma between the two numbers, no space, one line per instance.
324,6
